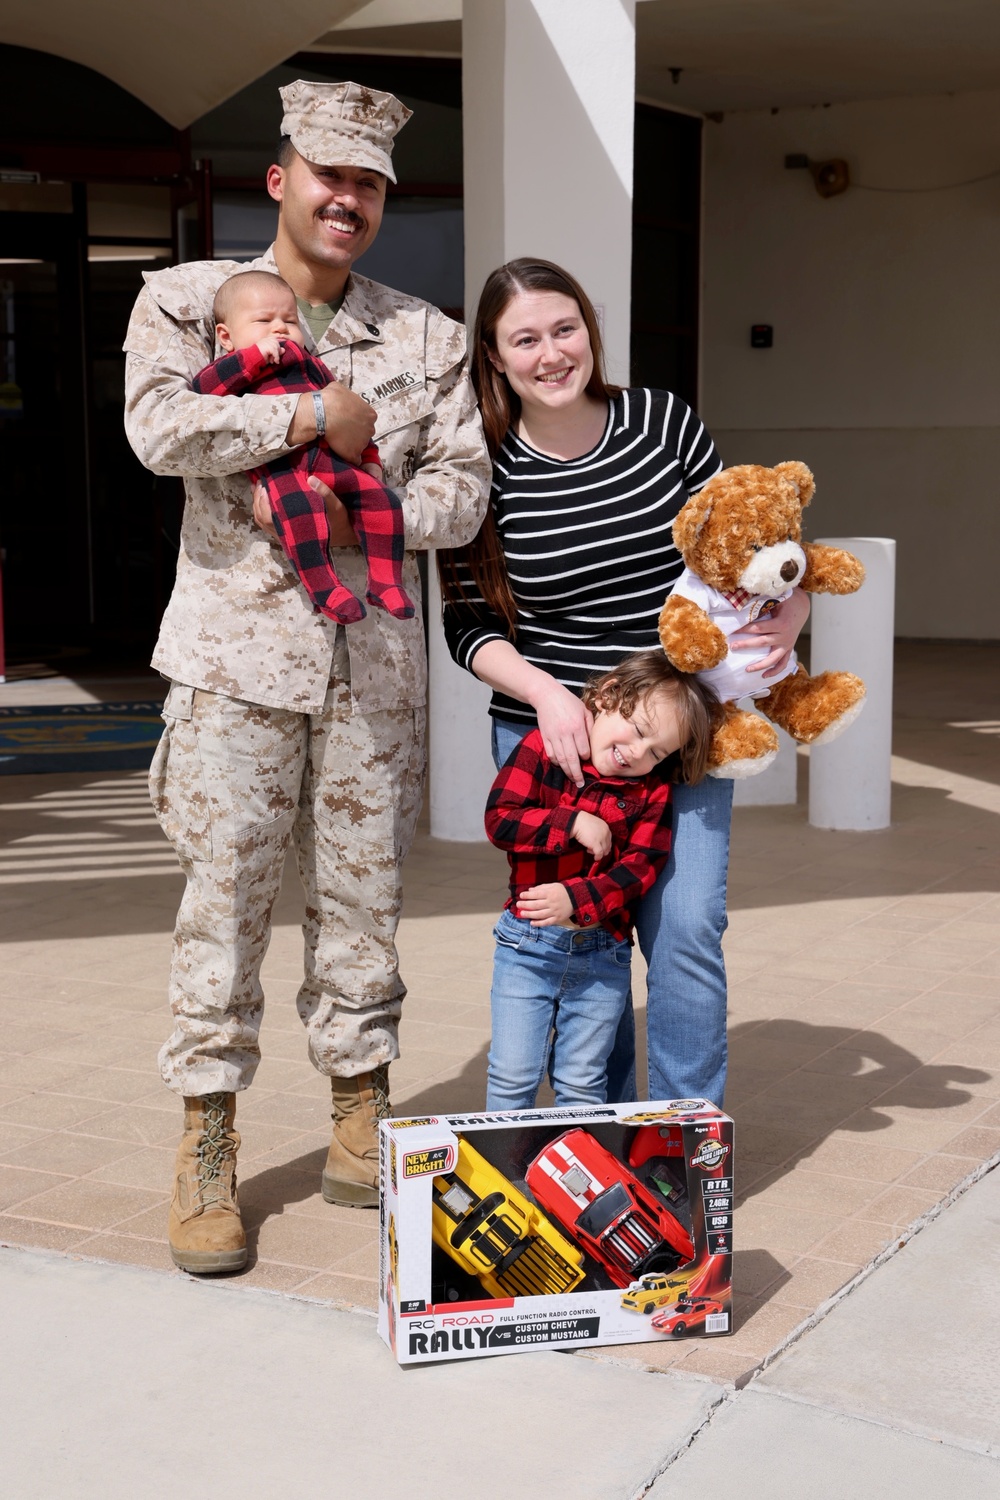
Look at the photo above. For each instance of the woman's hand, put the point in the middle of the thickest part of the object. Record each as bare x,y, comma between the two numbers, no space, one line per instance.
565,725
564,722
342,533
777,632
545,905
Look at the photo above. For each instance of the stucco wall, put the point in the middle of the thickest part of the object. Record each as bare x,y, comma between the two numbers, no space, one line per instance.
885,370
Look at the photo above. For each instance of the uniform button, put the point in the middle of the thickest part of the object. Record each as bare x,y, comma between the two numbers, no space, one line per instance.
372,329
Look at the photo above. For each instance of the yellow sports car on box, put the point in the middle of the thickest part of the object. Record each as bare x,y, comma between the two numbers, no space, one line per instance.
489,1228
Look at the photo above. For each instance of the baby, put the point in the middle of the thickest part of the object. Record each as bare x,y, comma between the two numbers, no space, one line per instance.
256,320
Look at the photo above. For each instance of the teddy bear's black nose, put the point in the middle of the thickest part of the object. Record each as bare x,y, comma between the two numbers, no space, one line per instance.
789,570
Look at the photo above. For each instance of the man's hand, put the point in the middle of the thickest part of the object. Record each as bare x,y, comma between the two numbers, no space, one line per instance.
350,422
546,905
272,348
593,833
262,512
342,533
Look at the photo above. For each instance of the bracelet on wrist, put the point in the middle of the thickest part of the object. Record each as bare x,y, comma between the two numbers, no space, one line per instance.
320,412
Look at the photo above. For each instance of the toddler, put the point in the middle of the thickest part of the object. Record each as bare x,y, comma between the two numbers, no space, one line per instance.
580,859
256,321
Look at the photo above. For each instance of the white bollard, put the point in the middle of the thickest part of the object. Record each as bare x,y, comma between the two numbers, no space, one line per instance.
461,766
850,780
778,785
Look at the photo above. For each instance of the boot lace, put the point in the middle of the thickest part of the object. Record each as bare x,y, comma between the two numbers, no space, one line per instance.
380,1092
215,1146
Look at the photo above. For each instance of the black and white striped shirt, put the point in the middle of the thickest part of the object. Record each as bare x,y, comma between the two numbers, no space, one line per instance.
588,543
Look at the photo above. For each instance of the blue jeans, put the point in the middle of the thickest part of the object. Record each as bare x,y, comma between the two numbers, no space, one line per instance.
552,978
679,926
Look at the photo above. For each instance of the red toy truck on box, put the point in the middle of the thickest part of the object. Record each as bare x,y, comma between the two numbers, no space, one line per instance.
606,1208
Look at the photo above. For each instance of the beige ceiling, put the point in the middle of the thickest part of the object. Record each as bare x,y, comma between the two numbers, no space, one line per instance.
747,54
181,57
437,38
752,54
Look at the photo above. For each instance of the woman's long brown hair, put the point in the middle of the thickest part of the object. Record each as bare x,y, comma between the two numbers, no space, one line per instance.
500,408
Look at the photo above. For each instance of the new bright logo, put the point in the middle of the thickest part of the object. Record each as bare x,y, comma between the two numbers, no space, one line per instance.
709,1155
424,1163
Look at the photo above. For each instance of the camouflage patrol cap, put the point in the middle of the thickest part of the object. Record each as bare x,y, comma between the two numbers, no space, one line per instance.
342,124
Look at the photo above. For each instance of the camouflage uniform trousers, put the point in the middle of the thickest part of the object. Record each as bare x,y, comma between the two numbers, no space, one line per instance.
231,783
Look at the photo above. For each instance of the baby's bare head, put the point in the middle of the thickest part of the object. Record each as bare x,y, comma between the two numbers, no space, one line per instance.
253,305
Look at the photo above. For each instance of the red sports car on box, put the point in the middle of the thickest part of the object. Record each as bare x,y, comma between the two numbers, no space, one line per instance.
681,1316
606,1209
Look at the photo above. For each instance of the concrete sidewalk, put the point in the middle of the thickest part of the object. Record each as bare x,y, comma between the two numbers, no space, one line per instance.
893,1395
123,1384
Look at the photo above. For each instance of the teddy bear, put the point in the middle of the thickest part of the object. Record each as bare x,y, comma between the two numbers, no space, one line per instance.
740,538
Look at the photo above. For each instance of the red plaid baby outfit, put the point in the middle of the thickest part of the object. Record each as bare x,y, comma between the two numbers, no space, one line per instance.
530,812
299,514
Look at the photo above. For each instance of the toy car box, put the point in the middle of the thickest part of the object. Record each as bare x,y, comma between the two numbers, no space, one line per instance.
550,1228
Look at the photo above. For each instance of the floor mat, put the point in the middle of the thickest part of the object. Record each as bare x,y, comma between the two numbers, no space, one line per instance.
78,737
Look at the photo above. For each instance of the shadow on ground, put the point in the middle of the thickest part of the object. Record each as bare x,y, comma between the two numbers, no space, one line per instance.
133,898
947,711
820,1079
826,1079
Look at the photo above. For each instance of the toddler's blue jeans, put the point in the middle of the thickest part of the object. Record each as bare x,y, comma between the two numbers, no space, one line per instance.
554,978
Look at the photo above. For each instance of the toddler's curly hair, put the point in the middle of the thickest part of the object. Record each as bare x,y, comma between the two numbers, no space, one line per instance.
645,673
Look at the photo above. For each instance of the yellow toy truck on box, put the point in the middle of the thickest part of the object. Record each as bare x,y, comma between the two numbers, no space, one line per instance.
481,1221
549,1228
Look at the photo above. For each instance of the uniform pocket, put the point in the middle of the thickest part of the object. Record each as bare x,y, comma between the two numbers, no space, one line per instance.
177,787
400,432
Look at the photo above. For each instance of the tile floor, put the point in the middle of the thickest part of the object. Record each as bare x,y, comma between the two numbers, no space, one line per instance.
865,1035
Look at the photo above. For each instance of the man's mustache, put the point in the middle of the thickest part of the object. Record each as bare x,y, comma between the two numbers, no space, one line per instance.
343,216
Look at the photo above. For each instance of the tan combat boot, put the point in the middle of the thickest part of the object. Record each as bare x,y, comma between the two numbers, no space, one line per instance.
205,1231
351,1172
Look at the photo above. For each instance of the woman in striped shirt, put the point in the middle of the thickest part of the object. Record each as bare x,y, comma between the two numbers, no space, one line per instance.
567,576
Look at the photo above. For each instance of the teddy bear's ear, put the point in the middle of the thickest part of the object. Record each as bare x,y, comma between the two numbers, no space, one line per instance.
800,476
690,521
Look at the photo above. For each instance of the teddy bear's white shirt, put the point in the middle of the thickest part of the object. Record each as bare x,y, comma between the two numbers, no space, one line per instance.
729,678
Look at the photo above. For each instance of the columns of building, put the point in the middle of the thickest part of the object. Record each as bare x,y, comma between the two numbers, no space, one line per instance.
548,98
850,780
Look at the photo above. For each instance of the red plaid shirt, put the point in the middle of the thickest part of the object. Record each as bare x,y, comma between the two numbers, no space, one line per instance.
530,812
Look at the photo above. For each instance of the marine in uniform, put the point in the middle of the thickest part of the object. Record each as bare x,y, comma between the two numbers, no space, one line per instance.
280,725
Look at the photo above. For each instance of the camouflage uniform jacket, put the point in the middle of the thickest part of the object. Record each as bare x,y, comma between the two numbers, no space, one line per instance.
238,621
